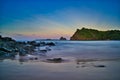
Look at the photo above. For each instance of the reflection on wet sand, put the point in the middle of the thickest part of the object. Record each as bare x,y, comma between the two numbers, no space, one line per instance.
90,62
80,63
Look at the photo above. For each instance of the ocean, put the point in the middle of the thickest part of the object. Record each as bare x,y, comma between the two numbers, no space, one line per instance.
83,60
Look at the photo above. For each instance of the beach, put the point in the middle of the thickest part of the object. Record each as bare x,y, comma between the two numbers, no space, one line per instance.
81,60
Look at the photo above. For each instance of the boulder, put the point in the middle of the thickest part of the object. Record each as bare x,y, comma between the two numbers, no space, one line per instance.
55,60
50,44
99,66
62,38
5,50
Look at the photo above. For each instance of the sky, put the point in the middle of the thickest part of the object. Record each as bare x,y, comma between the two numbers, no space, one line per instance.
41,19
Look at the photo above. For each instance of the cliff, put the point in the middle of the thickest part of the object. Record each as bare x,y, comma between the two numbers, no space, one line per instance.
92,34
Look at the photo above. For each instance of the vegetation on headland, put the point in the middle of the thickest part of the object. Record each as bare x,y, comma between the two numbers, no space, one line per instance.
92,34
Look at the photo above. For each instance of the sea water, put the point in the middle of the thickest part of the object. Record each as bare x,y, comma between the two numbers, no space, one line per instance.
69,70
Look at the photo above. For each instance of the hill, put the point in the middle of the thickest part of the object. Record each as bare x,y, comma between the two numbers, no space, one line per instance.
92,34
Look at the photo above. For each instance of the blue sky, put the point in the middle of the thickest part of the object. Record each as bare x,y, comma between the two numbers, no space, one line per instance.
31,19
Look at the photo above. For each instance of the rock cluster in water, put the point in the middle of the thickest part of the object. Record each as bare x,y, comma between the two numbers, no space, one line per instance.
10,47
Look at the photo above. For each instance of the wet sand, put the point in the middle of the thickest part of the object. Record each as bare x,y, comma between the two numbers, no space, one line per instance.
80,69
83,60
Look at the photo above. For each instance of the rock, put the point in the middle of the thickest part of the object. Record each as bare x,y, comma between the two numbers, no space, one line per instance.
62,38
44,48
7,39
42,43
0,36
5,50
43,51
55,60
36,58
30,57
47,47
9,47
50,44
99,66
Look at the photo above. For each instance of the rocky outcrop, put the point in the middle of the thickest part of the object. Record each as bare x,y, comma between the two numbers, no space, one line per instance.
50,44
62,38
11,47
92,34
55,60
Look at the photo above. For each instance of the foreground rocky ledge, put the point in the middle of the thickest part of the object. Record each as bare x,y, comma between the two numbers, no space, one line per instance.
10,47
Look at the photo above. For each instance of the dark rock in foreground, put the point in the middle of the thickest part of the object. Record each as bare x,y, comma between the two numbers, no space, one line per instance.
55,60
5,50
99,66
10,47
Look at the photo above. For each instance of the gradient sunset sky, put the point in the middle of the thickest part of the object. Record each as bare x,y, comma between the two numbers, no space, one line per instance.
34,19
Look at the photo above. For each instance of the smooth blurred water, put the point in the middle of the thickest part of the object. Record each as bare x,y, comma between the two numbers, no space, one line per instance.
86,49
71,70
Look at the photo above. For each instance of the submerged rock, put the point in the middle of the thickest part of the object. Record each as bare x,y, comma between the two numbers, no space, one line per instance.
43,51
99,66
50,44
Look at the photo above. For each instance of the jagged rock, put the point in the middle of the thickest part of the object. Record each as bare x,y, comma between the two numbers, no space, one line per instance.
6,39
9,47
62,38
5,50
